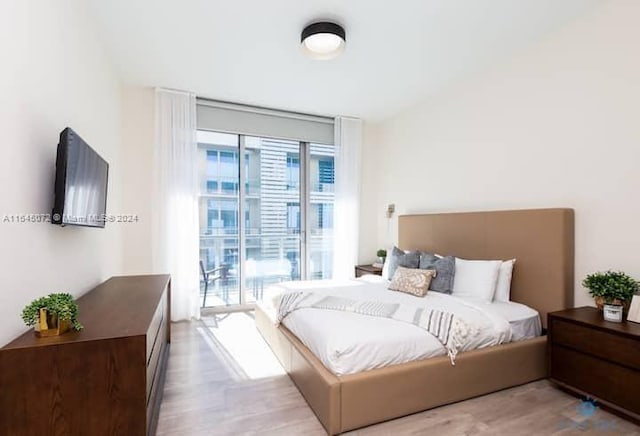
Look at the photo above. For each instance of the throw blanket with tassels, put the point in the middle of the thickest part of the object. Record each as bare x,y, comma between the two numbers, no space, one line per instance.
450,330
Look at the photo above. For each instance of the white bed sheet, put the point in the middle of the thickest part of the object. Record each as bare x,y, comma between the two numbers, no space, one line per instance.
348,343
524,321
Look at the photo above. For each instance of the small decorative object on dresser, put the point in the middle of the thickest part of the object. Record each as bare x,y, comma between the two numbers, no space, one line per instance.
634,310
612,312
612,289
363,270
592,357
52,315
382,255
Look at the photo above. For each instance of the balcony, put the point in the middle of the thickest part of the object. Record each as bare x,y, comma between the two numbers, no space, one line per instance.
270,260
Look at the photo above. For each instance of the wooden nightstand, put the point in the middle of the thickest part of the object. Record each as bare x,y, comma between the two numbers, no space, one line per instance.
592,357
363,270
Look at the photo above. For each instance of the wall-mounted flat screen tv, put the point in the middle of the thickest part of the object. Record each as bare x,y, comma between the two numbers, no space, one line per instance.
81,183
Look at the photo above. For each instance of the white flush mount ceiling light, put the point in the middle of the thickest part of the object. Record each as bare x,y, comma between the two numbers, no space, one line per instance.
323,40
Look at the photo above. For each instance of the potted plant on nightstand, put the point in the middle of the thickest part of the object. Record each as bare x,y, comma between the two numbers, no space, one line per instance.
382,255
612,292
52,315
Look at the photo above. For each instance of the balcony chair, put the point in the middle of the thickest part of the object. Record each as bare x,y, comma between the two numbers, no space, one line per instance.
211,276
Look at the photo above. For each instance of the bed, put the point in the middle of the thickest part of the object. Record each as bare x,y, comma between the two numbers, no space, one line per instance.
541,240
347,344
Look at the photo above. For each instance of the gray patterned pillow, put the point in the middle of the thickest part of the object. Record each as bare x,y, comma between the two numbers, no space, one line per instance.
400,258
445,268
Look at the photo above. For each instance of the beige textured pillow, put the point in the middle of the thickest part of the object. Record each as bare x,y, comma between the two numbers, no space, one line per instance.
412,281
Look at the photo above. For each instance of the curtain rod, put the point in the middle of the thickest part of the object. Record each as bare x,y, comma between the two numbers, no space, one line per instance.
263,110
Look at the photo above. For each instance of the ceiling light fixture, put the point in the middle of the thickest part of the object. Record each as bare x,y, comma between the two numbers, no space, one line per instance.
323,40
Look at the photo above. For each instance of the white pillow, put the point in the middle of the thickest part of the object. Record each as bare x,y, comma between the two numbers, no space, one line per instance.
503,286
385,266
476,278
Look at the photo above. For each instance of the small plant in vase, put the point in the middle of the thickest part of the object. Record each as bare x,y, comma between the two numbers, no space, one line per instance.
382,255
52,315
613,289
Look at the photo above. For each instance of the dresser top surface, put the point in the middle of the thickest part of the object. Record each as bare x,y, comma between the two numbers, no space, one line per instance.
593,317
122,306
369,268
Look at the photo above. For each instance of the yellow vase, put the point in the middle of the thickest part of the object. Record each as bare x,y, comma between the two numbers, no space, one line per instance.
49,325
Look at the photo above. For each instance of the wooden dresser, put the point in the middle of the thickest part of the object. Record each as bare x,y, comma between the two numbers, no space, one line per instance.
596,358
104,380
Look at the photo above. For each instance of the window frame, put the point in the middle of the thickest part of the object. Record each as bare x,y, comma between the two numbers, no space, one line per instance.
301,164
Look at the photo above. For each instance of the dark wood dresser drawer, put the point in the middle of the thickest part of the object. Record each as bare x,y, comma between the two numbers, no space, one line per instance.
154,326
155,393
599,378
598,343
152,366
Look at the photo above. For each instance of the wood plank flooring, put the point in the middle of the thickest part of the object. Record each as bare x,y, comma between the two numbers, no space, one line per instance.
223,380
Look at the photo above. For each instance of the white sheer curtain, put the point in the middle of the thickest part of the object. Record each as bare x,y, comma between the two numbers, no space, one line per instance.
175,224
348,142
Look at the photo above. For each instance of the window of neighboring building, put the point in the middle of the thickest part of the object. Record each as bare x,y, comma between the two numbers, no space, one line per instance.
229,219
293,171
326,170
212,186
231,256
322,170
212,163
213,217
293,217
229,187
325,215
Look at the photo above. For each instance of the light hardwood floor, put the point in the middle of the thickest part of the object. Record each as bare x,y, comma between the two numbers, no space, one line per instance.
223,380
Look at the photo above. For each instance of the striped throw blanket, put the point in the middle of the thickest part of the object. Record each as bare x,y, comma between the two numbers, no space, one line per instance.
450,330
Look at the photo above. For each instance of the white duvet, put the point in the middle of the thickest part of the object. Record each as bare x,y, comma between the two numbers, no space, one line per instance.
347,342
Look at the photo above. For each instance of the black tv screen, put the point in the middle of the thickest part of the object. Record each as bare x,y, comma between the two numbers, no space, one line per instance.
81,183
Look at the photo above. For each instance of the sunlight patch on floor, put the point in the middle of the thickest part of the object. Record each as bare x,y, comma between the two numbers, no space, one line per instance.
236,333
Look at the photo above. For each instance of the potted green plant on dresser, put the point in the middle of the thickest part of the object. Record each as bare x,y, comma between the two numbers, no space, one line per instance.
612,292
52,315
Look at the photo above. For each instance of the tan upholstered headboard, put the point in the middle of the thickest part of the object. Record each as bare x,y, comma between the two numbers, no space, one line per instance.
542,241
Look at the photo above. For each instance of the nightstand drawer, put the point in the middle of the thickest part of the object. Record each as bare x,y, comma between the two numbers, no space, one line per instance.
599,378
608,346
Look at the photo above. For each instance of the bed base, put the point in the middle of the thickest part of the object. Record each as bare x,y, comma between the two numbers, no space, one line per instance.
344,403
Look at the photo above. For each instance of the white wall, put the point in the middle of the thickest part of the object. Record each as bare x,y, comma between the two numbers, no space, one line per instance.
138,109
54,74
556,126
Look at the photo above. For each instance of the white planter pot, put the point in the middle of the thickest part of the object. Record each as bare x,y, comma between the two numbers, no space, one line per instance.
612,312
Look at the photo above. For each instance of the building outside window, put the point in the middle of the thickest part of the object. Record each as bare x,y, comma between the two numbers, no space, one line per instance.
272,213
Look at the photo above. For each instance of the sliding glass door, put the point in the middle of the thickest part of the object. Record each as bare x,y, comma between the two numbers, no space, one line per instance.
273,216
219,205
283,192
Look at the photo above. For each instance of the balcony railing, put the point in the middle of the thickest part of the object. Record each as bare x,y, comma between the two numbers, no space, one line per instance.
232,187
270,259
253,187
